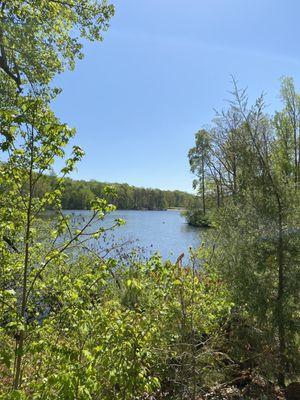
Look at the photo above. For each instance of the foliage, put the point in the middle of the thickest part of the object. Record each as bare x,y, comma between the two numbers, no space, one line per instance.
257,226
78,195
40,38
198,158
196,217
72,324
118,331
28,252
75,325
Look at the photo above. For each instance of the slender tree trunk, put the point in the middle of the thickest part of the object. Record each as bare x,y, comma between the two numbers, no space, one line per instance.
234,173
218,195
203,187
293,120
22,312
280,317
298,165
194,352
20,337
295,151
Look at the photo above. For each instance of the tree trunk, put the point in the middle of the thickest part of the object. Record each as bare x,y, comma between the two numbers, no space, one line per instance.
22,312
218,196
280,318
203,187
20,338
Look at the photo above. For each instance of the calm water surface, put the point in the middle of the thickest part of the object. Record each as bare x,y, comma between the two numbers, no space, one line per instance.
165,232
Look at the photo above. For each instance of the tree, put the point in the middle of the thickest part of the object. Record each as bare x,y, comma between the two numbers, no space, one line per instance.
199,158
289,123
39,38
25,284
257,237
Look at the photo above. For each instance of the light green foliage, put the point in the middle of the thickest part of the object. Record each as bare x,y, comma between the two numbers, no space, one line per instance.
120,331
34,253
40,38
75,325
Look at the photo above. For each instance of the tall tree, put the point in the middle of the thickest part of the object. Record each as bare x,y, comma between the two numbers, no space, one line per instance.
199,158
257,235
38,39
289,123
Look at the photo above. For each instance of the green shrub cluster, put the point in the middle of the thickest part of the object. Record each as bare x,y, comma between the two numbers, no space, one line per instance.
102,330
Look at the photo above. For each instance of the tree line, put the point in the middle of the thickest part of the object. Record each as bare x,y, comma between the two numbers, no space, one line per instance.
80,194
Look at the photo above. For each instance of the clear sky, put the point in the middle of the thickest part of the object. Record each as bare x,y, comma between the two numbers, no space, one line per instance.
138,98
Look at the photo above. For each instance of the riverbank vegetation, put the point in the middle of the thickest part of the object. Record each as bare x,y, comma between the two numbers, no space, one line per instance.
77,325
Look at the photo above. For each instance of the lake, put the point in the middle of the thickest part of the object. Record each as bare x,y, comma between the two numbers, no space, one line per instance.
165,232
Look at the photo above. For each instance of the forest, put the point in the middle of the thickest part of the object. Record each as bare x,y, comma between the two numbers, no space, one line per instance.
79,195
75,325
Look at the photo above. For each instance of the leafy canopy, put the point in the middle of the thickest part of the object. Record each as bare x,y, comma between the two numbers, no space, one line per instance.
40,38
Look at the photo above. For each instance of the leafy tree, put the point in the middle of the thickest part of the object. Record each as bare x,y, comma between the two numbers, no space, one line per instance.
289,123
39,38
257,234
198,158
27,256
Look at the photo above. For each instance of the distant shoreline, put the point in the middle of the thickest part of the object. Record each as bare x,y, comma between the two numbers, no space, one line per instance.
176,209
127,209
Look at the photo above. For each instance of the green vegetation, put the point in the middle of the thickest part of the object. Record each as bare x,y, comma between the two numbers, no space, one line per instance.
251,171
196,217
199,158
79,195
74,325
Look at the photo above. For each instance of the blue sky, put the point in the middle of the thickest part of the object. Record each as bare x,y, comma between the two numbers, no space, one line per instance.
164,66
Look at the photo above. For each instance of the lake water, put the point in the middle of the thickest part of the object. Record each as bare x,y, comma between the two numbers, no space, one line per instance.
165,232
